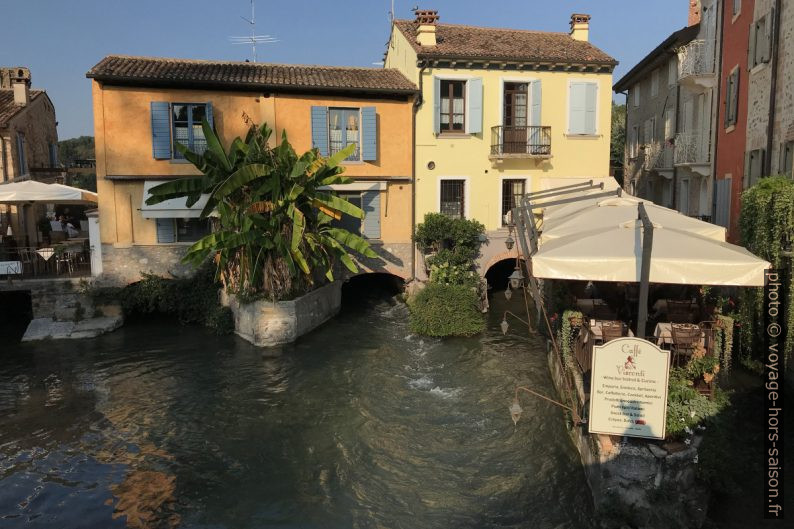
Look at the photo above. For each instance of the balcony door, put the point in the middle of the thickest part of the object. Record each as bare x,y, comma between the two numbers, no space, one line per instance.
515,117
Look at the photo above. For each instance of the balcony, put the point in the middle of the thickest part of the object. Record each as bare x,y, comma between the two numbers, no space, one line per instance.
696,65
520,142
659,157
693,150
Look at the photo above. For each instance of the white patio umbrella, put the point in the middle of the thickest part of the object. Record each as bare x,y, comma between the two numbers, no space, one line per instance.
30,191
679,257
607,213
566,210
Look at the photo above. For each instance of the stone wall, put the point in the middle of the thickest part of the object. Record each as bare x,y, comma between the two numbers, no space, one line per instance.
125,265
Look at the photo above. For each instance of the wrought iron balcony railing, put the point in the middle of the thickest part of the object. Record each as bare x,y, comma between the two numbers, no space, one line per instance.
658,156
520,142
696,59
692,148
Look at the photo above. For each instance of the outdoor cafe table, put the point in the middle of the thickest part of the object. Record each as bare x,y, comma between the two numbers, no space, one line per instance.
595,330
663,332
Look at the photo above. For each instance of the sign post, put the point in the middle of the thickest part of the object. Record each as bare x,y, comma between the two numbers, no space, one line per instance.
628,393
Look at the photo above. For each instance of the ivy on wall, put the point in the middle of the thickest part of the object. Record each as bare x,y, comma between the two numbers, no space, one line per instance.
766,223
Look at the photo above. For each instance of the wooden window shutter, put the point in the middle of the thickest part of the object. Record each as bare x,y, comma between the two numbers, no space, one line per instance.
474,102
536,103
770,29
436,105
576,112
751,47
208,113
161,130
370,203
369,134
166,231
319,117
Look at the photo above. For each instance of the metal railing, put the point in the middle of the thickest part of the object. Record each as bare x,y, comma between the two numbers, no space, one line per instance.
58,260
696,58
659,156
520,141
692,148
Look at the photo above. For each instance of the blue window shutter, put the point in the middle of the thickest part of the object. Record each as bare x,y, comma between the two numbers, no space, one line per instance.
166,232
208,113
369,134
474,114
576,111
371,206
535,104
161,130
591,101
436,105
320,129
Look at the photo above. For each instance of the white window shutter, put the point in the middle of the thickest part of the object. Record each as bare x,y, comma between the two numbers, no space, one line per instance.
436,105
474,110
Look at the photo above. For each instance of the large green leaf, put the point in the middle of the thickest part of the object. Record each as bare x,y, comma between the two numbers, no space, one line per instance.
298,225
339,156
339,204
175,189
214,145
244,175
352,241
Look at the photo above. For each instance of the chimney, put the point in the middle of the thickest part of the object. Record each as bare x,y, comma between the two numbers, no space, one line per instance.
426,21
694,12
580,27
20,82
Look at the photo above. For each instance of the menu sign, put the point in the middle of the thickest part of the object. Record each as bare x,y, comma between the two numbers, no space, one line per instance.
629,388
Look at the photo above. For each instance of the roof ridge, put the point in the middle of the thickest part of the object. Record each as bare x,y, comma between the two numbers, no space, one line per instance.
244,63
493,28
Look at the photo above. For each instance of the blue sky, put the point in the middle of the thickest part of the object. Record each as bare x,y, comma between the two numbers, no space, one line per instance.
60,40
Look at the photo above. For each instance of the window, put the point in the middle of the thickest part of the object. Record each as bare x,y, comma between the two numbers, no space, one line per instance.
636,92
186,120
347,222
452,198
722,210
582,108
511,192
737,7
635,140
672,72
754,166
683,196
21,154
182,230
655,83
453,106
669,125
760,47
53,155
650,131
786,158
344,130
732,97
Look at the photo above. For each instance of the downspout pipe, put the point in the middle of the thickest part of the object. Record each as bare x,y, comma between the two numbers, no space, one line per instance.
715,116
770,127
417,103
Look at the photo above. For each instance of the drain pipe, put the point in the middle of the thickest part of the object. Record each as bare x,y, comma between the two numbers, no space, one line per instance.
770,127
417,103
715,116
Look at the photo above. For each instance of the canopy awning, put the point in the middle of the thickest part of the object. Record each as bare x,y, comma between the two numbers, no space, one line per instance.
679,257
610,212
31,191
175,208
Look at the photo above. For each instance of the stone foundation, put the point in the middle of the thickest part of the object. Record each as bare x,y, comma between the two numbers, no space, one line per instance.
125,265
655,487
267,324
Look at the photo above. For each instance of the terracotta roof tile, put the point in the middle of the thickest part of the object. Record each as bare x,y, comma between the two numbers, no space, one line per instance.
246,75
479,43
7,106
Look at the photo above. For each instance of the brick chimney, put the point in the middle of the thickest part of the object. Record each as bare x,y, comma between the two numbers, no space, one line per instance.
580,27
426,21
694,12
20,82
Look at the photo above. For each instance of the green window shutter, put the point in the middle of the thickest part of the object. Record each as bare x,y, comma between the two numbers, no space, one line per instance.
369,134
591,104
166,230
474,112
436,105
161,130
751,47
370,201
576,111
319,118
770,29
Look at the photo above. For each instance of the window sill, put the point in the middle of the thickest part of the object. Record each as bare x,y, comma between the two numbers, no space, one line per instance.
758,67
583,136
453,135
178,161
730,129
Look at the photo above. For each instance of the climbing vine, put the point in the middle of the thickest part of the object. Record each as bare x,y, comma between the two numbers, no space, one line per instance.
766,223
569,327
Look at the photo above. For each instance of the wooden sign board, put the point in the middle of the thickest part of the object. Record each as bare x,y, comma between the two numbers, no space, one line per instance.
628,389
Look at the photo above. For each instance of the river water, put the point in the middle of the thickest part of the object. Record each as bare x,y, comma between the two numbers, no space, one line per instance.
357,425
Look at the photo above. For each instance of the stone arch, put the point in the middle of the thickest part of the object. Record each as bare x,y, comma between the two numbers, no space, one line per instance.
498,258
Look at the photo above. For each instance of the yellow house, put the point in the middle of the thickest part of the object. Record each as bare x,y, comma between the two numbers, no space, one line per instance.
142,106
502,112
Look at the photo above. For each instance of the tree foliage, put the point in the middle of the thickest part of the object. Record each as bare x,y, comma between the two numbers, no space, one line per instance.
618,139
274,233
446,310
81,148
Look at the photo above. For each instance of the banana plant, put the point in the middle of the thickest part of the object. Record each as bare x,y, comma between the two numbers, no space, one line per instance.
274,232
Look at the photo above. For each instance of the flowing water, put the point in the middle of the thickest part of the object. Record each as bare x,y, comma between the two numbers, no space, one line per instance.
357,425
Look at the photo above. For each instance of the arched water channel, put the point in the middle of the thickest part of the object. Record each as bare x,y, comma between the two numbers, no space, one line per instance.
357,425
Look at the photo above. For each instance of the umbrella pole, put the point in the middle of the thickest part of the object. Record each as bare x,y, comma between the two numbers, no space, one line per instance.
645,272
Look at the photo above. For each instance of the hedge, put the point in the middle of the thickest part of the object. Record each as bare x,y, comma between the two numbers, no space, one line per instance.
446,310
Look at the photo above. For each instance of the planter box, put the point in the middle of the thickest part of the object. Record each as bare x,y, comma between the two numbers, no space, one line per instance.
265,323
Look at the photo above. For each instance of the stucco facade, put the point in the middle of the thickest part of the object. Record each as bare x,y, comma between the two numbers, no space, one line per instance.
131,242
478,156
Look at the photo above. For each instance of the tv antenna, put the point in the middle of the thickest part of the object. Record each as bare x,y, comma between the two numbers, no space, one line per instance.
253,39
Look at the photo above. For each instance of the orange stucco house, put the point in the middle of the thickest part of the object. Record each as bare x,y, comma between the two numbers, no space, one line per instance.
142,106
